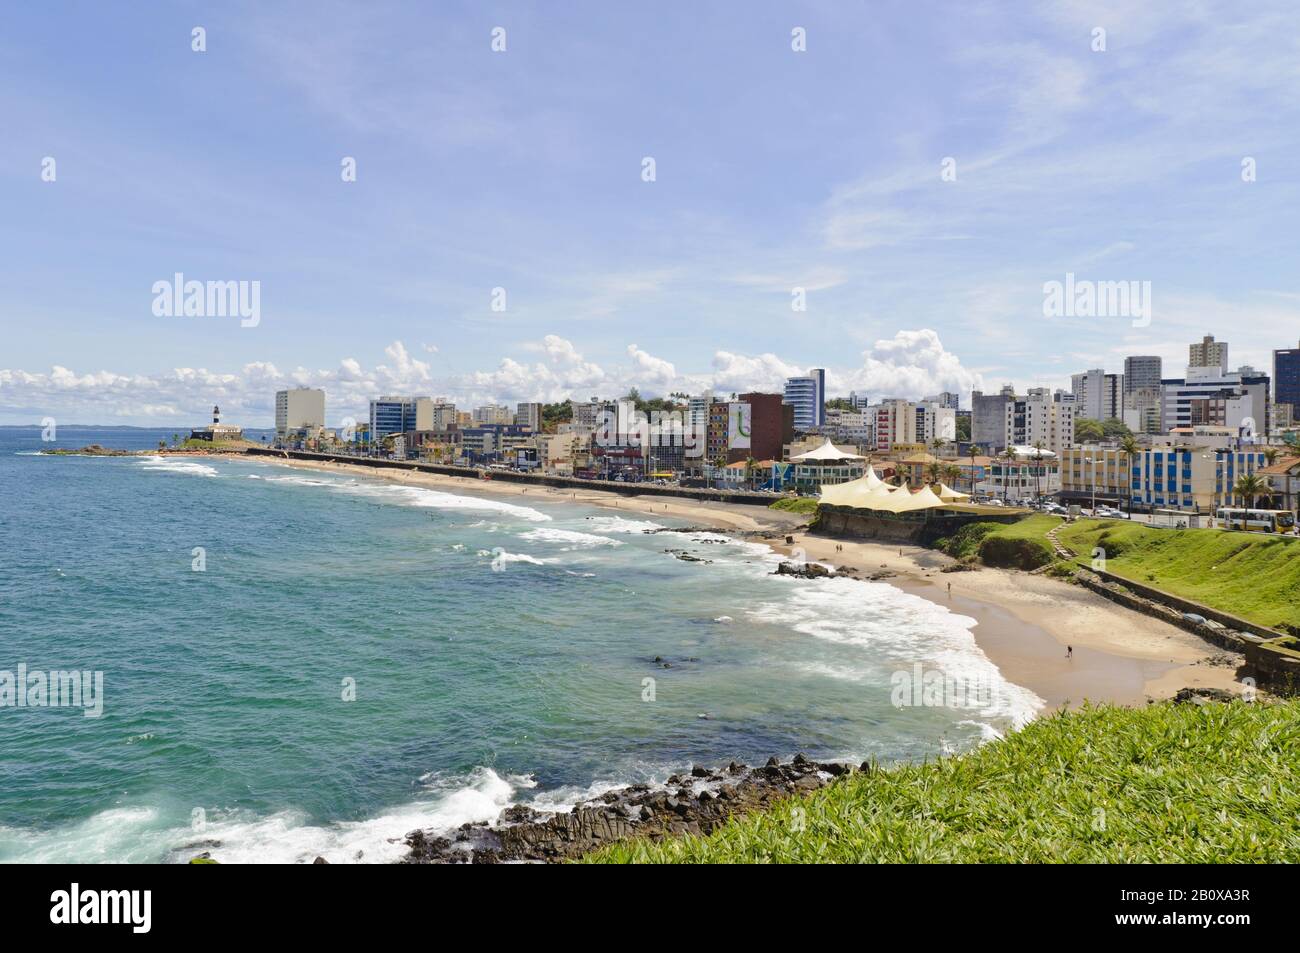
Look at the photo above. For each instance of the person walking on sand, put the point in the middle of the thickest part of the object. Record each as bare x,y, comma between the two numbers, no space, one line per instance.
1069,651
950,589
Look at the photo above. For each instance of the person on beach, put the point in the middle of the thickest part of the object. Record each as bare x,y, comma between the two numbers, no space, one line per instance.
1069,651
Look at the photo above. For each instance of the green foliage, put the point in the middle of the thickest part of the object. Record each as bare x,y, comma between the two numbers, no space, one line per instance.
795,504
1161,784
1088,430
553,414
966,541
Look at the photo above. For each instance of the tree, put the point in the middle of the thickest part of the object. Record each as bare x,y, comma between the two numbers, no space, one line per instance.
1087,430
1008,455
1115,429
1129,447
952,474
1249,487
963,429
1038,471
840,403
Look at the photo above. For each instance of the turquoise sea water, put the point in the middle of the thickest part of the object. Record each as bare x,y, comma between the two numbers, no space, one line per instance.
499,649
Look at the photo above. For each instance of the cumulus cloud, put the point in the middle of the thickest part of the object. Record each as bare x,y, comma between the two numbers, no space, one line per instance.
911,364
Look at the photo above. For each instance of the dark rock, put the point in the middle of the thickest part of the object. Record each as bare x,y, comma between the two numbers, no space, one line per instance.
1202,696
320,860
522,834
803,570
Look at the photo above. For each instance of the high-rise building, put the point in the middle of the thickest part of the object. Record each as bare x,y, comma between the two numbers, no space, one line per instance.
1208,353
946,399
807,395
299,408
1098,395
1040,419
529,415
1141,372
389,415
1286,379
771,427
1249,418
988,418
493,414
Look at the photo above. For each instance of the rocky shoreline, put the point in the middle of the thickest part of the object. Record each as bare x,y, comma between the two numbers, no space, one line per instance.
694,803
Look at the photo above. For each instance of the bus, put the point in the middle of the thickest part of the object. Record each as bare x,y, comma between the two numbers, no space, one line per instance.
1256,521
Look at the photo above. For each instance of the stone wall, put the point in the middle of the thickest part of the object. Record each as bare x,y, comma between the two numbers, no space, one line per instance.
921,528
1269,660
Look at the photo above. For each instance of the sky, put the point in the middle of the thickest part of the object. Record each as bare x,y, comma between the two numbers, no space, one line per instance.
920,170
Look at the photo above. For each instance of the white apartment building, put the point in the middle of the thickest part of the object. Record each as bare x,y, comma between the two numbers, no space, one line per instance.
1098,395
493,414
1040,419
300,408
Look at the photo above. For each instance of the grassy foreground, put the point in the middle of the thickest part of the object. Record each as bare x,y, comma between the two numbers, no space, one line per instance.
1162,784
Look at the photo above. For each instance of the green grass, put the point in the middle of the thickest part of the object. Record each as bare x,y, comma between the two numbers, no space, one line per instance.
795,504
1248,574
1161,784
1019,545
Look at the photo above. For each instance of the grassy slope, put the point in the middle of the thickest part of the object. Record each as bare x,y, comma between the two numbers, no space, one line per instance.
792,504
1247,574
1166,783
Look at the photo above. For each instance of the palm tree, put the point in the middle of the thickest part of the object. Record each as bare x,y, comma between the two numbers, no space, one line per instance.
972,469
1249,487
1271,455
1009,456
934,471
749,470
952,473
1038,471
1129,447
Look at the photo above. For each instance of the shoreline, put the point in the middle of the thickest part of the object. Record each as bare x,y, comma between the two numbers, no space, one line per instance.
1023,622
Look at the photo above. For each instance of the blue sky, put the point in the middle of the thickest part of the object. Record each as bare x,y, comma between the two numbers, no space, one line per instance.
522,170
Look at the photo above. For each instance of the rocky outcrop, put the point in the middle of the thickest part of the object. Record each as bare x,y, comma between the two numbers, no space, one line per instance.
694,803
806,570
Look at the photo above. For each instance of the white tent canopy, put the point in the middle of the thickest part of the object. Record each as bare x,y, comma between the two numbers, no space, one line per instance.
883,497
826,452
856,492
949,495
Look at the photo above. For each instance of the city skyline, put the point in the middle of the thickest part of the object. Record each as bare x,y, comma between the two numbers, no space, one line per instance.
919,228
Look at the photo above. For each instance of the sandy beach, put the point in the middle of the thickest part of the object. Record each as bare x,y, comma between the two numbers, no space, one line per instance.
1025,622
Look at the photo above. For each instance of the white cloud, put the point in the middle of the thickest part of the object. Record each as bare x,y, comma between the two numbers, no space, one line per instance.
911,364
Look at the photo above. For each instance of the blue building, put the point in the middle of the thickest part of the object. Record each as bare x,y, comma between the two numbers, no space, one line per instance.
1286,378
807,395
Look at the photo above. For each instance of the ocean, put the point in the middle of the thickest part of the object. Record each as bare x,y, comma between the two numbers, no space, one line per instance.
298,664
